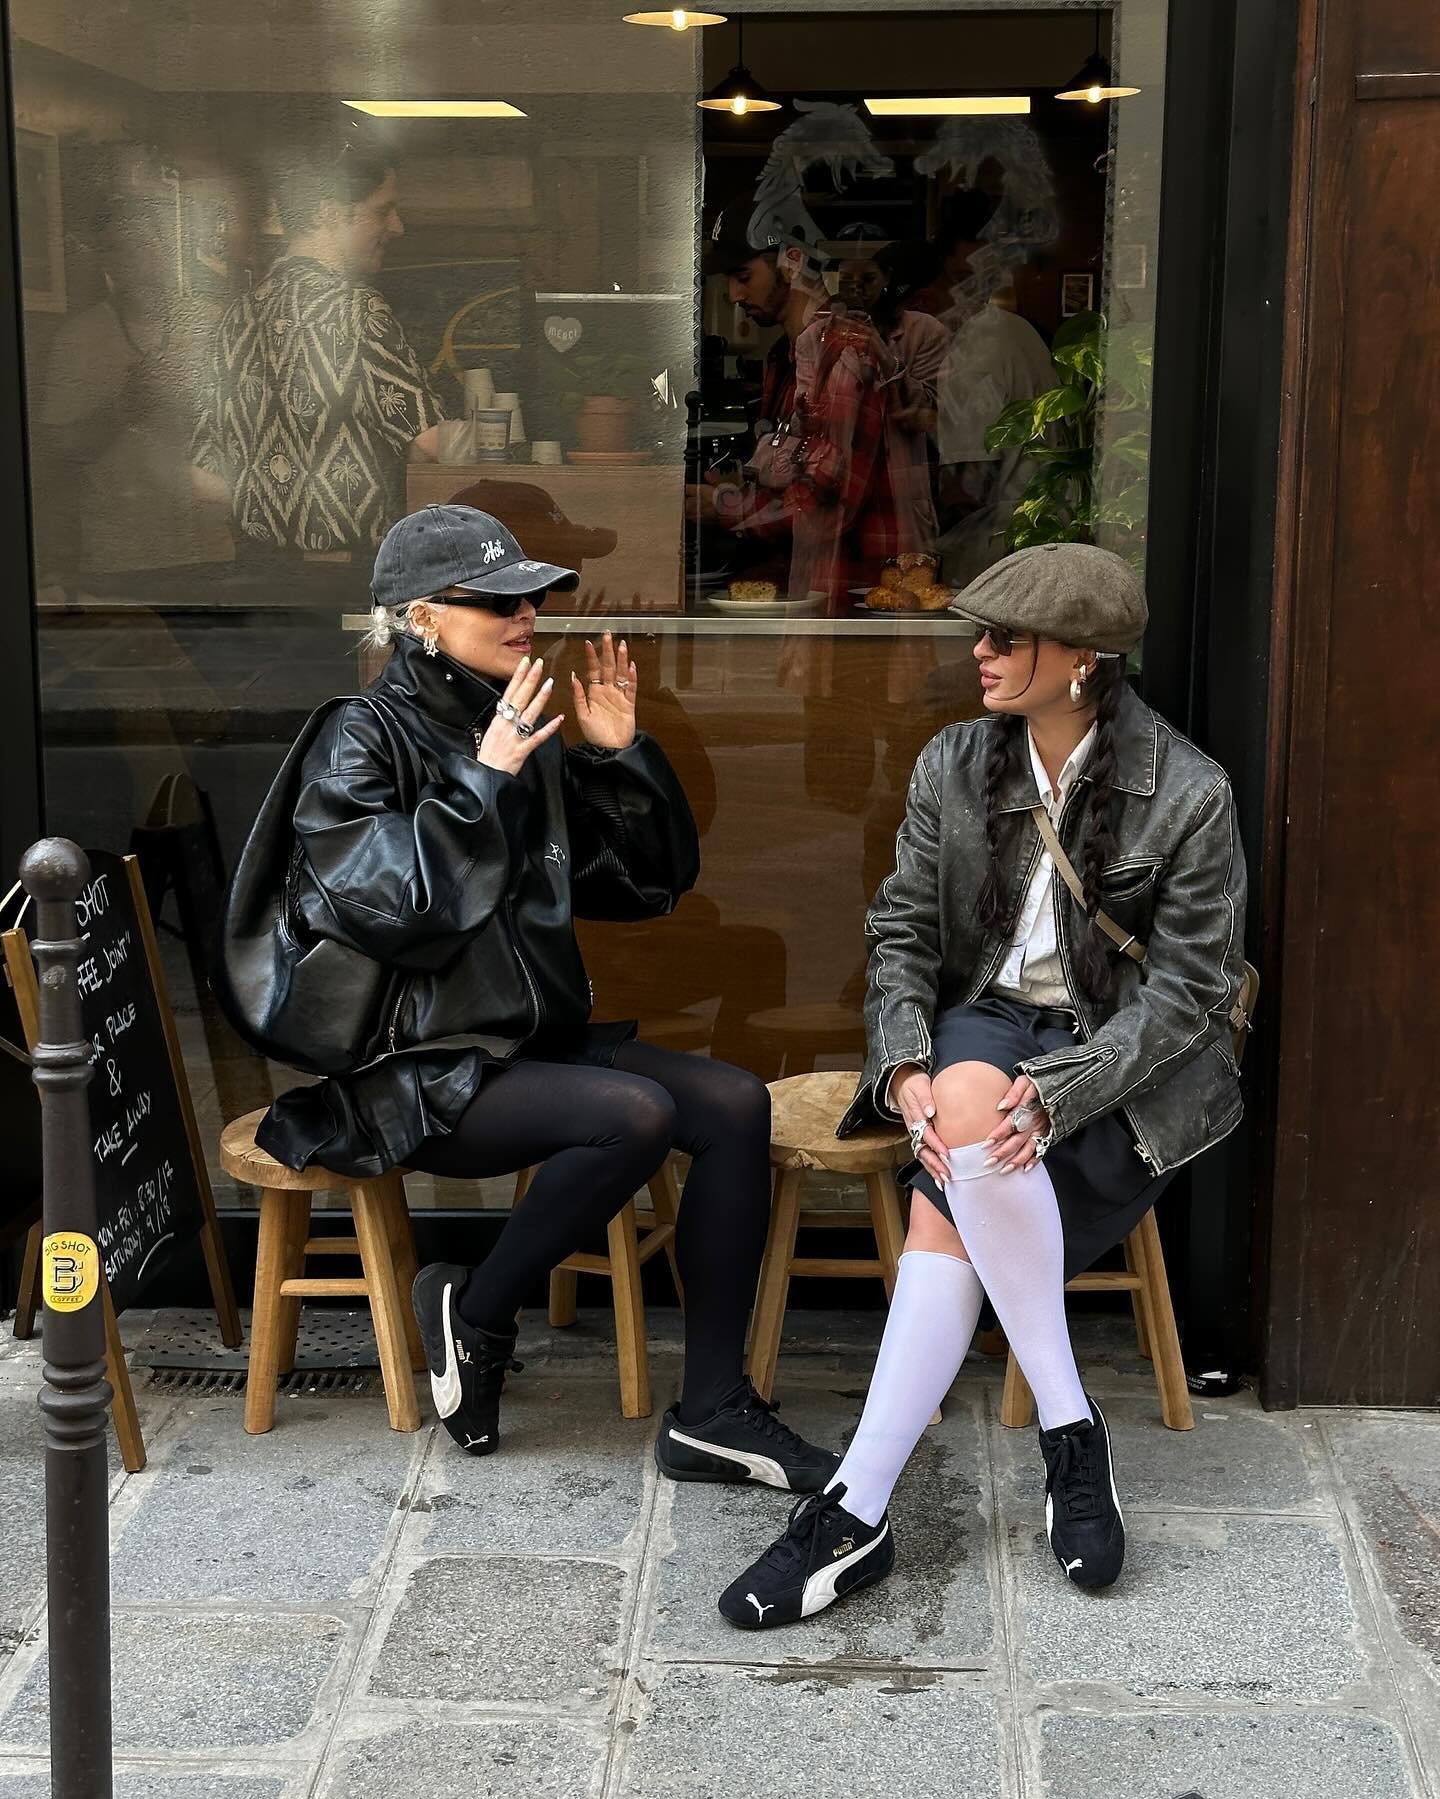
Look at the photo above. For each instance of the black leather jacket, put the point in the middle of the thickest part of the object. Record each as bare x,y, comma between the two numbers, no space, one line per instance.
466,880
1161,1053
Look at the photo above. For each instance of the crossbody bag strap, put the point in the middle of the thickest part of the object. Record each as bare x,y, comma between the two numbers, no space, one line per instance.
1124,941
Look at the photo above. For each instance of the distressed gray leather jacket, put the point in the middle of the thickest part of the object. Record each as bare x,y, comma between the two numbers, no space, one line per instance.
1161,1052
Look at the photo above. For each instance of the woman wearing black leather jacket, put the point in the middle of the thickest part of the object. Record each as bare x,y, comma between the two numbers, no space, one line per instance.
444,839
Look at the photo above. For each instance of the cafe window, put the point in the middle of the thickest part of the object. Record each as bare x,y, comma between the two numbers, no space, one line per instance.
777,374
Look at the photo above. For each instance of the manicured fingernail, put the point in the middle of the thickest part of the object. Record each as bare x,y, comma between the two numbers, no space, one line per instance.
1009,1168
545,686
1000,1105
929,1111
990,1161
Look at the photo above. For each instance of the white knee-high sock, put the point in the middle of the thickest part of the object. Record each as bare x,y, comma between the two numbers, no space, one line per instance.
1010,1226
932,1319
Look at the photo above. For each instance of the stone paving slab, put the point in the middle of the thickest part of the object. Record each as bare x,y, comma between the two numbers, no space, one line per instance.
1253,1609
706,1731
298,1515
1235,1460
155,1786
1314,1754
569,1478
503,1630
199,1683
482,1758
1392,1467
935,1610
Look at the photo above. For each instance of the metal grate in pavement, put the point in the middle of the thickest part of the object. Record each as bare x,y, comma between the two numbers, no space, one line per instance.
330,1341
320,1382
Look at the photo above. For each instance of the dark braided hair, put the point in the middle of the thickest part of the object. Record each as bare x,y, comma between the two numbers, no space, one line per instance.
995,908
1094,953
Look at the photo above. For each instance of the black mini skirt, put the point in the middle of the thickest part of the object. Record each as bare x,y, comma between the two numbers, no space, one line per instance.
1102,1186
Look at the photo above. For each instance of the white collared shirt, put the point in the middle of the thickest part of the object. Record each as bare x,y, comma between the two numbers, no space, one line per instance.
1032,970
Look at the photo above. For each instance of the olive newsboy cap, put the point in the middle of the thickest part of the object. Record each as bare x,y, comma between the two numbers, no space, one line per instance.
1073,592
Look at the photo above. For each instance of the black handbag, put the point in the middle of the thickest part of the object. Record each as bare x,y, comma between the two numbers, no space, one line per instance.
299,995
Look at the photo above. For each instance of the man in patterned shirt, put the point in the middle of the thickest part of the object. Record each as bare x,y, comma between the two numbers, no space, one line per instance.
314,398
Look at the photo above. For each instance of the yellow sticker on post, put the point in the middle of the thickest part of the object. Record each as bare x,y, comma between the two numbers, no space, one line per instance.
70,1271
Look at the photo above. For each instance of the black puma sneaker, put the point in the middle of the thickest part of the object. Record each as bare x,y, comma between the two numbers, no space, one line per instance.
824,1553
1082,1510
742,1440
467,1365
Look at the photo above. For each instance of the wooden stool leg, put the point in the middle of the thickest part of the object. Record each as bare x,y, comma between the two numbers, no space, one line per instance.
27,1303
884,1199
665,1198
1137,1304
368,1204
407,1263
1159,1315
1017,1402
268,1315
297,1230
632,1350
769,1317
122,1405
564,1284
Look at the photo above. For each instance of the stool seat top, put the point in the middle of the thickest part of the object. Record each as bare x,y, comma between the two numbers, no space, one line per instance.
806,1110
842,1025
243,1160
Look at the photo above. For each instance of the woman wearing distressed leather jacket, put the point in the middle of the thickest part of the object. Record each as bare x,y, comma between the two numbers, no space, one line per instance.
1055,1057
438,840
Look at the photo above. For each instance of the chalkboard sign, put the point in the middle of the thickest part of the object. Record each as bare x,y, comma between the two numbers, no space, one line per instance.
151,1192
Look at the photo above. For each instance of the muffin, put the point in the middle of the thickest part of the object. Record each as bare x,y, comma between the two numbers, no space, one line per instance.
891,575
754,593
913,559
917,579
889,599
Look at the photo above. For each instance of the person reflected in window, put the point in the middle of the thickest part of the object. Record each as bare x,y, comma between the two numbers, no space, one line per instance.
817,497
995,358
314,398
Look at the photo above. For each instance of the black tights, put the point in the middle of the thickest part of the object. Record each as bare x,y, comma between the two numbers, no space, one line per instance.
598,1135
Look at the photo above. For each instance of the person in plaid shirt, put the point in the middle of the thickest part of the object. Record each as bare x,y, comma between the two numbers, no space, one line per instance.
819,479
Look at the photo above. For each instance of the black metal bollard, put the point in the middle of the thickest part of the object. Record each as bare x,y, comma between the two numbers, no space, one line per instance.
76,1394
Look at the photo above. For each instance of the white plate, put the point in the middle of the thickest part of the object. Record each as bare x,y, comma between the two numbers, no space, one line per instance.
762,608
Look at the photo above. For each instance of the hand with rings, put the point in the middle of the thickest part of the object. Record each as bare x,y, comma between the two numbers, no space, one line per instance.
516,731
605,700
1011,1144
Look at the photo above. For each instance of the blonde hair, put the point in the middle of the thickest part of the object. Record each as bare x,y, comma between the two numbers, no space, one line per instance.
386,622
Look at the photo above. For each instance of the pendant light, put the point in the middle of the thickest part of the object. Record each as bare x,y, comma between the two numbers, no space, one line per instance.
676,18
1096,79
739,93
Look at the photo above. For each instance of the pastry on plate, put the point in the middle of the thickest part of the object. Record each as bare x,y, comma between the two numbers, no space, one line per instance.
889,599
934,598
754,593
917,579
892,575
912,559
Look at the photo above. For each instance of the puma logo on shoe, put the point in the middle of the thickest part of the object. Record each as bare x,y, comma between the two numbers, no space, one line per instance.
1079,1562
462,1354
761,1609
845,1547
477,1442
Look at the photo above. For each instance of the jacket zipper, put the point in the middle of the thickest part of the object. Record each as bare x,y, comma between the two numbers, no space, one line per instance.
534,990
395,1016
1146,1152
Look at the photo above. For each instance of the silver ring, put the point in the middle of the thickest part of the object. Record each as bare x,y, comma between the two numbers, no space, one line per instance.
522,729
1024,1118
917,1135
508,712
620,683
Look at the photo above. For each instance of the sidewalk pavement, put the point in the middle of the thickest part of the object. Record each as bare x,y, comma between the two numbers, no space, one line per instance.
334,1610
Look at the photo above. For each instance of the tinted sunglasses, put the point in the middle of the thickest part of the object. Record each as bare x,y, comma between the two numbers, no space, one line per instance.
1002,639
506,605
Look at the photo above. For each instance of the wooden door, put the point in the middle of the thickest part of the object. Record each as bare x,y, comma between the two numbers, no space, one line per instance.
1354,1250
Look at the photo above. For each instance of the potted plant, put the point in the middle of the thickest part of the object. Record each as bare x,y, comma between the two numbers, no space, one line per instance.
600,389
1056,432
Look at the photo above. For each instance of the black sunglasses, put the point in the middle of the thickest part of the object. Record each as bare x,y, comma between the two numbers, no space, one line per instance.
506,605
1002,638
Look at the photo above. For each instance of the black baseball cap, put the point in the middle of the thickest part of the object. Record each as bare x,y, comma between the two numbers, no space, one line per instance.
733,239
441,547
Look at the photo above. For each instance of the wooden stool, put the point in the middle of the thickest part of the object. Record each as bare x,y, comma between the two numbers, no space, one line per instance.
383,1243
1144,1280
633,1238
807,1108
674,1030
802,1034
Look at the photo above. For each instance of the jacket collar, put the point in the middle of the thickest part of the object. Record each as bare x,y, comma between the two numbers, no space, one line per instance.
1136,738
443,689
